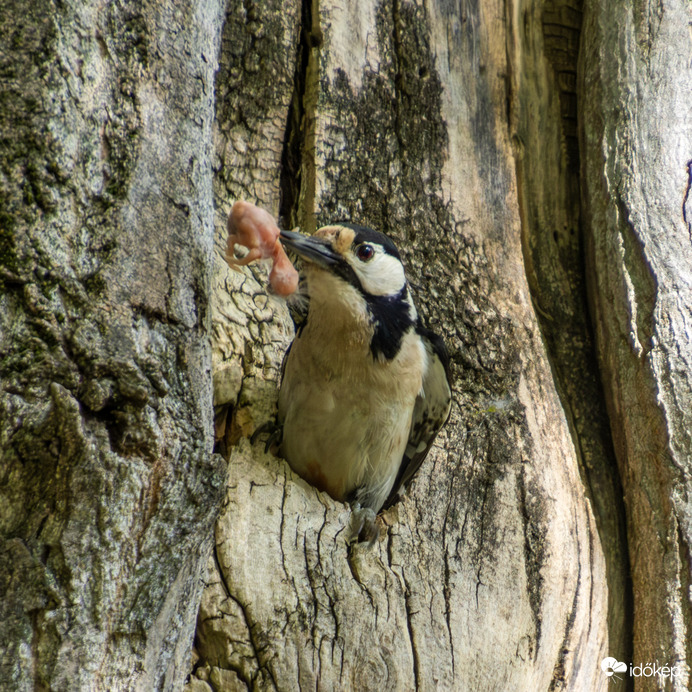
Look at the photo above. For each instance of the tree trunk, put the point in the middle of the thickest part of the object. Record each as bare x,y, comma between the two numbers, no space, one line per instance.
554,260
109,489
490,574
636,80
544,47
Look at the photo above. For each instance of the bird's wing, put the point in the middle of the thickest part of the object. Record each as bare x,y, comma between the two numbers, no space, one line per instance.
430,412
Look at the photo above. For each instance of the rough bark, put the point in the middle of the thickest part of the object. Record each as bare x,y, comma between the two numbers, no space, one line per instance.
544,47
490,574
635,82
108,487
450,126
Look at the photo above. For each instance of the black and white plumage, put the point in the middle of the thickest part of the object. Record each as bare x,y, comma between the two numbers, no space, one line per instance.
365,386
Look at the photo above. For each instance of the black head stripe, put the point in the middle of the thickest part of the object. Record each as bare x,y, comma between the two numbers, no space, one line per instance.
343,269
363,235
391,315
367,235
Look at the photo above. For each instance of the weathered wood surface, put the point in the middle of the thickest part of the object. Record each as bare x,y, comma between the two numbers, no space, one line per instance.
108,488
489,575
636,81
544,44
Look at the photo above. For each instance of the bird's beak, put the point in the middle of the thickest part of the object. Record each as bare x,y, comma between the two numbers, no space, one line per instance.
317,250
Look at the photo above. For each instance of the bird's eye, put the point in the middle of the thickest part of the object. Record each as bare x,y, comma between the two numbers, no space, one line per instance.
365,252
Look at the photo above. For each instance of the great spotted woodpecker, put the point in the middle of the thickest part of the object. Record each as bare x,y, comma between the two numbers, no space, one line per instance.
365,385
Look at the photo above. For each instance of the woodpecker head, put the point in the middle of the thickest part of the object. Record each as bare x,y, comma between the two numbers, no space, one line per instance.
365,259
358,269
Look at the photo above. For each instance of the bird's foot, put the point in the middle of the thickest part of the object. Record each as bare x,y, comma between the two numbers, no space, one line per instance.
275,432
364,527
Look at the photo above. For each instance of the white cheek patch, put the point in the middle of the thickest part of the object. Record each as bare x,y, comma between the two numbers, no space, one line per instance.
383,275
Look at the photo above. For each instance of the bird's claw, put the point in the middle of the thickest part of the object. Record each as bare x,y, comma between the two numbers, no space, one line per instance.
364,527
275,432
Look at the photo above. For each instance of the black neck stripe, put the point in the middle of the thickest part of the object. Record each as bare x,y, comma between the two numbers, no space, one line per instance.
391,319
390,314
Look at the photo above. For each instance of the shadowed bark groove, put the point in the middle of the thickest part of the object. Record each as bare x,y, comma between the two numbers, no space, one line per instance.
543,55
296,206
636,135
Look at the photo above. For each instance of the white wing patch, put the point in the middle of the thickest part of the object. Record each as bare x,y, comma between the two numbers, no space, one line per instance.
430,413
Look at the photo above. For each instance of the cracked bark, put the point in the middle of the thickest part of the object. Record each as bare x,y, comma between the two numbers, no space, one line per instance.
636,136
396,116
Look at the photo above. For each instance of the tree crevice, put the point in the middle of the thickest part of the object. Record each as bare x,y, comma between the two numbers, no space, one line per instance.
548,173
297,173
